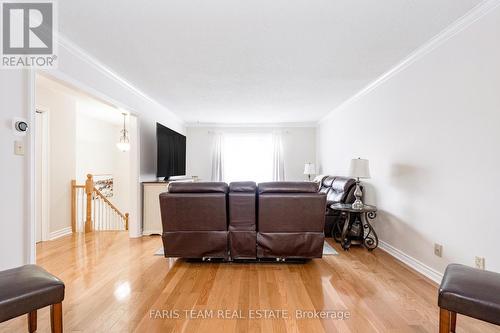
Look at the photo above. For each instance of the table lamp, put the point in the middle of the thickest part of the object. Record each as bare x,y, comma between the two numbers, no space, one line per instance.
359,169
309,169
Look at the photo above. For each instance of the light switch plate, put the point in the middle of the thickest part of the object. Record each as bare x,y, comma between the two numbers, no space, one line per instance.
19,148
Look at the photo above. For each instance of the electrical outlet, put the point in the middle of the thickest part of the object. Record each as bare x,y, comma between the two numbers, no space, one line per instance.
479,262
438,250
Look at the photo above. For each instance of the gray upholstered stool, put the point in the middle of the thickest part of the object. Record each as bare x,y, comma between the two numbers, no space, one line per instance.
471,292
25,289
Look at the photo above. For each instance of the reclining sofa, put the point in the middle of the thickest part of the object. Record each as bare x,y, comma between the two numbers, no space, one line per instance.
276,220
338,190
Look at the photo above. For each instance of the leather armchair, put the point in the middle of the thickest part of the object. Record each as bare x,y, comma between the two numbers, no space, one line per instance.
242,220
194,218
291,217
338,190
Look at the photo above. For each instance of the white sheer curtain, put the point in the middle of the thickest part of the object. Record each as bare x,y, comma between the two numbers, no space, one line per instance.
278,160
218,158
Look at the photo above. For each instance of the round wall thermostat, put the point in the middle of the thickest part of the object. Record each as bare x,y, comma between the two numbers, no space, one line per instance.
21,126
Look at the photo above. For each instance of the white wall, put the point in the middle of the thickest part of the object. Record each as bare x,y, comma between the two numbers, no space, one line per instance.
14,231
16,101
432,134
96,151
62,154
299,145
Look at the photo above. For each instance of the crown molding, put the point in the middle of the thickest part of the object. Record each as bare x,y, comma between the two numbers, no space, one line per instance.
252,125
78,52
459,25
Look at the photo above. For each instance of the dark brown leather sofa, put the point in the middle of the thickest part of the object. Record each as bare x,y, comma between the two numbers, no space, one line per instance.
242,220
194,218
274,220
290,220
338,190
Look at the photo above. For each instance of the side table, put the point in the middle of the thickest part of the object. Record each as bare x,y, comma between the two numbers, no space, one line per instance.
367,235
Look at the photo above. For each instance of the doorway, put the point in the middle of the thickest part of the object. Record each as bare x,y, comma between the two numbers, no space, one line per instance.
75,134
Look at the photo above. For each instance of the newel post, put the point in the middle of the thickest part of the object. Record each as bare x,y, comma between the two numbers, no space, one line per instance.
126,221
89,189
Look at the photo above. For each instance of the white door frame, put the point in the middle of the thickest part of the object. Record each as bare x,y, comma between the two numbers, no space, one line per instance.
45,172
30,238
135,228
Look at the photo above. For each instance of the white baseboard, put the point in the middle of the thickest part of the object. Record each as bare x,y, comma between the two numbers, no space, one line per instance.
152,232
413,263
59,233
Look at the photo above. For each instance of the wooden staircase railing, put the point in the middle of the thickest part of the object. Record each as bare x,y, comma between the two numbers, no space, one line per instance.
91,210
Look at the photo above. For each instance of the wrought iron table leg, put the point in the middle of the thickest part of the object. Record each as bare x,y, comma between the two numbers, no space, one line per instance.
370,239
337,228
336,232
345,230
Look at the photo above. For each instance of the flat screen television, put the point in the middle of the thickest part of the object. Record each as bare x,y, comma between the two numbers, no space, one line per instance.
171,152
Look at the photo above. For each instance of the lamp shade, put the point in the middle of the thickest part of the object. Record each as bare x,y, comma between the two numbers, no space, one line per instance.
309,169
123,146
359,168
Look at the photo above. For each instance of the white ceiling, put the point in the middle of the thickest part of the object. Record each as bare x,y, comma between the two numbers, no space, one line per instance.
254,61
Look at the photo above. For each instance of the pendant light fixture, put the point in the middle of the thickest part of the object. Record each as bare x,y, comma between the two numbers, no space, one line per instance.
124,143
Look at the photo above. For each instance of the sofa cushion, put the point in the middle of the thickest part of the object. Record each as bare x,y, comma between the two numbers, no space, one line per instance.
193,211
195,244
471,292
327,181
27,288
290,245
242,187
291,212
288,187
326,184
198,187
340,189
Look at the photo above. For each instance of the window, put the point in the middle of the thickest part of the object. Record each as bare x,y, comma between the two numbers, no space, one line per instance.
248,156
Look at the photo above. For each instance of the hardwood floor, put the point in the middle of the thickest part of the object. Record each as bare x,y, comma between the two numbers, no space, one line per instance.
116,284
